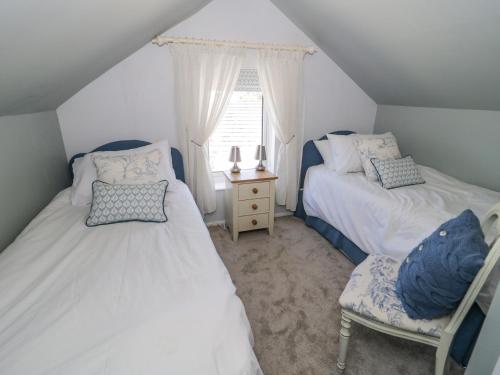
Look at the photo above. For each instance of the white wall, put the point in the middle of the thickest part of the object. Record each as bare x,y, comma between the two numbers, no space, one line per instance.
33,169
459,142
135,99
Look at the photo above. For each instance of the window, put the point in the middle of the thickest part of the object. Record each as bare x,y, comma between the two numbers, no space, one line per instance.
241,125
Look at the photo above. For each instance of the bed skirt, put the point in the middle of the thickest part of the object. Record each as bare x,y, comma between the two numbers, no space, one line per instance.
467,334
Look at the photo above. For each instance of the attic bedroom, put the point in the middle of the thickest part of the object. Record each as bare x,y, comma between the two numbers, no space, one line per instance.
232,187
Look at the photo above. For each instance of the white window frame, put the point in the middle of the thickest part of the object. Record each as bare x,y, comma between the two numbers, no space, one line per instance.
218,176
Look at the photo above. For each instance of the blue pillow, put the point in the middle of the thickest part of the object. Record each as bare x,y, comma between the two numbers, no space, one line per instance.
434,278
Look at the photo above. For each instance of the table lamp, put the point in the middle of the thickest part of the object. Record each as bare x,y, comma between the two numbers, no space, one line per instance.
260,155
235,157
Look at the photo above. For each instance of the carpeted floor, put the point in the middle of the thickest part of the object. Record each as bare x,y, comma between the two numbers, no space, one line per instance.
290,284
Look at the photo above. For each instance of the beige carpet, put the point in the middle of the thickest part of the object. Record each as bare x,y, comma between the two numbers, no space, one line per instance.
290,284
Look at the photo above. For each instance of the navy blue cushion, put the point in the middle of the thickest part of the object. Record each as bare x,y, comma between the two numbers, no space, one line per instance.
434,278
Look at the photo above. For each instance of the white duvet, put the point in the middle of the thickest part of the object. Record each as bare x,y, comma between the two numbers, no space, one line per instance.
391,222
130,298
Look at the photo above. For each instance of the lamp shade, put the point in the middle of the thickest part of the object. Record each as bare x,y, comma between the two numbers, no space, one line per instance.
260,154
235,155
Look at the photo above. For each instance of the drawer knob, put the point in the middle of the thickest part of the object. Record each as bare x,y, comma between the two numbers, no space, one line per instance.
254,222
255,190
254,206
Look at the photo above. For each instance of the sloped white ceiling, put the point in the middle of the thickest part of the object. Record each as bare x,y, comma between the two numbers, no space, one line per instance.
429,53
50,49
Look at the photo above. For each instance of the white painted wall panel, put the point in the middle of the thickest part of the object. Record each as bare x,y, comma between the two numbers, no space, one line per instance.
135,99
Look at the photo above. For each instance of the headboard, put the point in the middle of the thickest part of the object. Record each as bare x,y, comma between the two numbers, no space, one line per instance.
177,162
311,157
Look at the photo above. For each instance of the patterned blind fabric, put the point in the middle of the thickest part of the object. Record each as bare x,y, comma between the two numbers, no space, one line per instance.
248,80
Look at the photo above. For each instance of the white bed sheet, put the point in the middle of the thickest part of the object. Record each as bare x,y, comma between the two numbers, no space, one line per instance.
392,222
130,298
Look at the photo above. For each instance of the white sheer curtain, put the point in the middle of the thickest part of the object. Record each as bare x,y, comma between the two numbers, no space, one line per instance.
281,75
205,77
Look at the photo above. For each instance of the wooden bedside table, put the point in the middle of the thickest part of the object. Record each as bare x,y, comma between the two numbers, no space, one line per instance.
249,201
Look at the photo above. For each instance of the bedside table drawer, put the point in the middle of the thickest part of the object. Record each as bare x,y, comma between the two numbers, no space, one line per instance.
253,222
253,206
253,190
249,201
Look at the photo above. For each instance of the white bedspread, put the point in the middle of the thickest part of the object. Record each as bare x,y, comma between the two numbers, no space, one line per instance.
131,298
390,222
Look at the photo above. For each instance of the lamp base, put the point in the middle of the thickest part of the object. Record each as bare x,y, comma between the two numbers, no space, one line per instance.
260,167
235,169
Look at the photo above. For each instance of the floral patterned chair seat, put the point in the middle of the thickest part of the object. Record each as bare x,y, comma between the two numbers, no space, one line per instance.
371,293
370,299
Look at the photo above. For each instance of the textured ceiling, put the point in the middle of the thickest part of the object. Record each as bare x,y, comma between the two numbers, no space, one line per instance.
429,53
51,49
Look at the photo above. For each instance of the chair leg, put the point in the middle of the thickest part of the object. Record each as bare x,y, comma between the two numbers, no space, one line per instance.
345,334
442,362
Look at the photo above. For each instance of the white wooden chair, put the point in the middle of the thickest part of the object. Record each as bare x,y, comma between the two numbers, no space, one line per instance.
369,299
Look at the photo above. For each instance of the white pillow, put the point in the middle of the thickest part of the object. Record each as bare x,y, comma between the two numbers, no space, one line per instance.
140,168
345,154
325,149
78,197
381,147
85,172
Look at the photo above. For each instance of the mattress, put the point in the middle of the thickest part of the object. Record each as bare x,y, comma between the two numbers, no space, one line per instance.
393,222
129,298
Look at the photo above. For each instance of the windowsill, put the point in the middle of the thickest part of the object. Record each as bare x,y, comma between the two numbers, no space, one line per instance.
219,181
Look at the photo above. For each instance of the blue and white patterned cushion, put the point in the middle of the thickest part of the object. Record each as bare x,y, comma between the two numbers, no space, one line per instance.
118,203
394,173
139,168
371,293
379,146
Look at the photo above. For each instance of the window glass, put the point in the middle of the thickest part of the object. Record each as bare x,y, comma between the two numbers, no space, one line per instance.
241,125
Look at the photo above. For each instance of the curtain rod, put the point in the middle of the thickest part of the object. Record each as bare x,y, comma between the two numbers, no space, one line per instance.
162,40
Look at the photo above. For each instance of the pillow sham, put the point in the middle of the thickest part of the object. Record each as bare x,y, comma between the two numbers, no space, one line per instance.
382,147
345,154
394,173
85,172
120,203
82,177
436,275
325,149
140,168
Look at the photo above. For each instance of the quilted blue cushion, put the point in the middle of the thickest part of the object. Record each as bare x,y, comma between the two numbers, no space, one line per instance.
434,278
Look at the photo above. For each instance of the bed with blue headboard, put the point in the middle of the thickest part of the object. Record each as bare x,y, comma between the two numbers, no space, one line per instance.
123,297
177,161
468,332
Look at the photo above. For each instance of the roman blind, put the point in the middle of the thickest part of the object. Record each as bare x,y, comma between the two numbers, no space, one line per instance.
248,80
